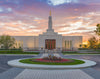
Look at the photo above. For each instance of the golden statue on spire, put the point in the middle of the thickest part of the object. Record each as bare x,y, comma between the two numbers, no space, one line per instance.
50,12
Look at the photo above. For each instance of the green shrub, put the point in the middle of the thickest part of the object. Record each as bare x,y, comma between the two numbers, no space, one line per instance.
83,48
16,52
69,52
11,51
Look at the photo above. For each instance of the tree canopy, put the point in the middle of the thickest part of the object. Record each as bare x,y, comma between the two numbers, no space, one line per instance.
7,41
93,42
97,31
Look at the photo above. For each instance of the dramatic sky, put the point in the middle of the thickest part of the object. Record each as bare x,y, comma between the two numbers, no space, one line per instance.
30,17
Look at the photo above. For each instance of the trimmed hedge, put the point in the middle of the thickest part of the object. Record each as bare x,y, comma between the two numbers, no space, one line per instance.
16,52
70,52
83,49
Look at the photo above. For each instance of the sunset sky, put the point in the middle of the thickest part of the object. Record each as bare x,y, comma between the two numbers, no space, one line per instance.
30,17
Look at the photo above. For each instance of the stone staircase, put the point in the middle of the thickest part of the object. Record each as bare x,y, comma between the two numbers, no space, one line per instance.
56,53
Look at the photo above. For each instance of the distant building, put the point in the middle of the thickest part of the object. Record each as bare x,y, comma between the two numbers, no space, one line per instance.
49,40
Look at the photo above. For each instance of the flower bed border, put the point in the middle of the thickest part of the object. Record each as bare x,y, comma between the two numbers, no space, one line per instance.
76,62
16,63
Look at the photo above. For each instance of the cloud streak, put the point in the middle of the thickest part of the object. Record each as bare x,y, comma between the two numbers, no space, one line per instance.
30,17
59,2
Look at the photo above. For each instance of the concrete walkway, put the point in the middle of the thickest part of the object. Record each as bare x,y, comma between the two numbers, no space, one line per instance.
14,73
18,73
53,74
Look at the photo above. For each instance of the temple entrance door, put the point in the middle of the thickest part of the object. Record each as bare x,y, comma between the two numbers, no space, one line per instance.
50,44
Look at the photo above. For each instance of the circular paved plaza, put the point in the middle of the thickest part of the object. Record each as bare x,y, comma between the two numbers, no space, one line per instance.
8,72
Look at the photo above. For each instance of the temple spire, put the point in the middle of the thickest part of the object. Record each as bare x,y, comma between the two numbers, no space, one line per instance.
50,12
50,23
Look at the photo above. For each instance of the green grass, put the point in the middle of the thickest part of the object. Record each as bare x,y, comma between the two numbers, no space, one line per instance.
70,52
16,52
98,50
28,61
76,53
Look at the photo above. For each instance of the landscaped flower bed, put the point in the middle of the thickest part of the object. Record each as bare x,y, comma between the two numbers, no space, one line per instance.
57,61
52,60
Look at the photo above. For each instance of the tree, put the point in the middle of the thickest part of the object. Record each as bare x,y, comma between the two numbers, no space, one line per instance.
99,46
7,41
97,31
80,45
92,42
85,46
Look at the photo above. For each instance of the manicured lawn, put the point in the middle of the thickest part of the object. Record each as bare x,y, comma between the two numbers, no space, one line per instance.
76,53
75,62
16,52
98,50
70,52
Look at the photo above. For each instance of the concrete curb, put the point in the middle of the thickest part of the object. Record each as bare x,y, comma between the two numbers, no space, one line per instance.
16,63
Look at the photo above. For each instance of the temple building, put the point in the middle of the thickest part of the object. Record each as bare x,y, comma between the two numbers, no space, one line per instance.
49,40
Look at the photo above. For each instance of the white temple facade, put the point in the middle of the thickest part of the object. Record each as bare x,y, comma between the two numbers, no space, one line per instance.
49,40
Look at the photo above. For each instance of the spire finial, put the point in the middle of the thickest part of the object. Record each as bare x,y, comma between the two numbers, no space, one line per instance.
50,12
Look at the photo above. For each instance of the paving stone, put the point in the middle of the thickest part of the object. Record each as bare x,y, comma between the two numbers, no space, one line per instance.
92,72
5,58
53,74
11,73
